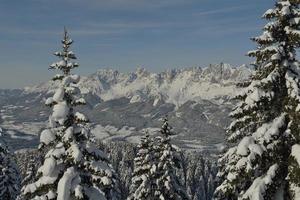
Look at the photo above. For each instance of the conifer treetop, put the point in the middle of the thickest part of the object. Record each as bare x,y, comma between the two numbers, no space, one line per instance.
66,56
144,167
166,129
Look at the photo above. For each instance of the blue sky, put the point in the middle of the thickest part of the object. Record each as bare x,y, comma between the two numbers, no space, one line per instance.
124,34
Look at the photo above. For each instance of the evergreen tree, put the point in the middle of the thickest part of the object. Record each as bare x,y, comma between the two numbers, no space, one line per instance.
122,156
264,158
30,172
143,180
73,168
168,185
9,174
197,174
126,166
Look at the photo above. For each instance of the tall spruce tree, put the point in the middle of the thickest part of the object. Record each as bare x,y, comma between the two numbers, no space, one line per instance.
9,173
73,167
142,187
168,185
264,158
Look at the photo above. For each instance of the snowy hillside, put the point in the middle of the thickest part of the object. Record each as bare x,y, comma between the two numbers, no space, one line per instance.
121,105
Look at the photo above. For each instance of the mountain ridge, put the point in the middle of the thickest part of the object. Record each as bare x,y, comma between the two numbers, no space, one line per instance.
175,86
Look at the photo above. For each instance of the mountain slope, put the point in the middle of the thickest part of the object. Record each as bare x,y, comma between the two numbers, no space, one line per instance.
175,86
121,105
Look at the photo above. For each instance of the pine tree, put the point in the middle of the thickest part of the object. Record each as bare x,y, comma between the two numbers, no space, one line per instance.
263,161
126,166
73,168
168,185
142,187
31,169
9,173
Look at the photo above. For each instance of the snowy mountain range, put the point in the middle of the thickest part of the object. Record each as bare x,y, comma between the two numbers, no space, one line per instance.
175,86
197,101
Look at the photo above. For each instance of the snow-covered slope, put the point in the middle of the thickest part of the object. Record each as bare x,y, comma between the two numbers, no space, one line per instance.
175,86
122,105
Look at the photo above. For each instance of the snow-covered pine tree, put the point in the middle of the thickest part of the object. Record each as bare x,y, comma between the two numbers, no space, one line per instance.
9,173
264,160
126,167
168,185
73,168
142,182
30,172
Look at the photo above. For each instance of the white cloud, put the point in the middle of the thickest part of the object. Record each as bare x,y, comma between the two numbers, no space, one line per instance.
221,10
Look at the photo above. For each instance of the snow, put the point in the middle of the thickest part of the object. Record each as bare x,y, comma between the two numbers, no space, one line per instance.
92,149
59,95
296,153
59,64
13,134
268,131
136,98
48,166
57,151
100,132
65,184
72,90
42,181
292,84
80,101
285,10
50,195
291,31
231,176
243,147
106,181
255,96
47,136
58,76
100,166
75,152
132,135
60,112
68,134
266,36
296,191
172,86
260,184
79,191
72,65
269,12
71,79
81,117
49,101
155,102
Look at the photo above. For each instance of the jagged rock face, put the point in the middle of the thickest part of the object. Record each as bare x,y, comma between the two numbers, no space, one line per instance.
197,101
